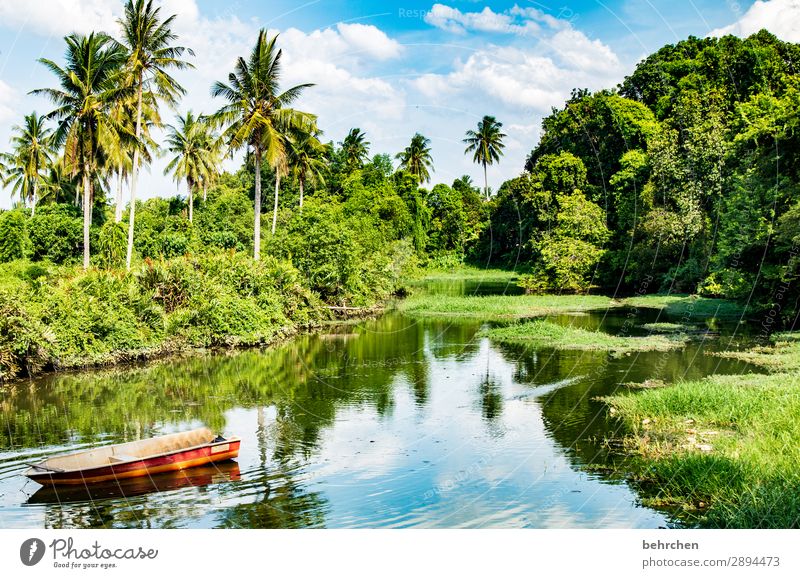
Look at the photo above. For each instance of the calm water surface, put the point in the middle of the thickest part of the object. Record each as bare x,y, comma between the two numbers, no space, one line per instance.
386,423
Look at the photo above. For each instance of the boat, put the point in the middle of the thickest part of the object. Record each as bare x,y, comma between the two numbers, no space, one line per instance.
167,453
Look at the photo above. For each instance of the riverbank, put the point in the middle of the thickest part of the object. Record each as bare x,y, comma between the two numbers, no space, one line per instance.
724,449
56,318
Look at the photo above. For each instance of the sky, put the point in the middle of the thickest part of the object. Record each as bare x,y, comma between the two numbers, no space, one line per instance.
393,68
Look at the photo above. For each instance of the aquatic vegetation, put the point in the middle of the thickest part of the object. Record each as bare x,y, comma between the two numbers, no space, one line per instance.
551,335
500,306
724,446
688,306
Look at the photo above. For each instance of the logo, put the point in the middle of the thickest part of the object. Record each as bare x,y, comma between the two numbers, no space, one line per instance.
31,552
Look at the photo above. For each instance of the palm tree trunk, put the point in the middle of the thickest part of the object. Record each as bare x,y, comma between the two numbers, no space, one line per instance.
134,175
205,190
33,205
485,182
87,215
257,217
301,194
275,209
191,202
118,206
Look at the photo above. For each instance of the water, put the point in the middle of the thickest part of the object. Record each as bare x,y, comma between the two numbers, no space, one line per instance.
386,423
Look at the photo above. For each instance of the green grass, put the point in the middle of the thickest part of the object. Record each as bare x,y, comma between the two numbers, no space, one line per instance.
546,334
467,272
688,306
668,327
782,356
500,306
725,448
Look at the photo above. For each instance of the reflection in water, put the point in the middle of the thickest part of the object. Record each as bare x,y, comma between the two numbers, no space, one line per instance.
390,423
218,473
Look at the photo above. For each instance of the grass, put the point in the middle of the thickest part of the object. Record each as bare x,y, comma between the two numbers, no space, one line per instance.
725,448
668,327
468,272
551,335
688,306
782,356
500,306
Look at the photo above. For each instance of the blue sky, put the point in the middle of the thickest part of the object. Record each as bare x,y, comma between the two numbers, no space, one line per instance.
395,68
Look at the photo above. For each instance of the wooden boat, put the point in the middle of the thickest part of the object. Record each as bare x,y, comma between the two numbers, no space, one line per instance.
165,453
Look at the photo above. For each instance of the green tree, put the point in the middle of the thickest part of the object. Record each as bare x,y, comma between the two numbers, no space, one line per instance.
195,157
257,116
150,55
416,159
307,159
356,149
486,144
90,83
30,159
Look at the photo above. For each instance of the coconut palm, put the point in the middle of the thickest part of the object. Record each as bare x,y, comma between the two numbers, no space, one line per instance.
307,160
31,158
487,145
89,84
356,149
148,40
257,117
416,158
194,158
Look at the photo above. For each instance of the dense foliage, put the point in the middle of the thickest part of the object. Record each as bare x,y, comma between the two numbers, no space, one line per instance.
689,171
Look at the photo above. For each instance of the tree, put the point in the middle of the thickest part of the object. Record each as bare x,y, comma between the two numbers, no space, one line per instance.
257,116
306,159
195,157
90,83
356,149
416,159
30,160
486,144
150,56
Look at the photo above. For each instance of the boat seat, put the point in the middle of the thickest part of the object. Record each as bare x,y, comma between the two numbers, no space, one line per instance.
123,458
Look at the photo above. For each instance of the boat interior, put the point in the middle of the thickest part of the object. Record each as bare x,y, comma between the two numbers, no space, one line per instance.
131,451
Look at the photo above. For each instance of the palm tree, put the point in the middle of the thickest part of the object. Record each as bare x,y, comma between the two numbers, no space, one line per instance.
416,158
356,149
257,117
306,159
150,56
30,160
194,159
487,145
90,83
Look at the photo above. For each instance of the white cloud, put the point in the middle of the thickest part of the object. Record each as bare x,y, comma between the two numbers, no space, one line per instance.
8,97
60,17
370,40
781,17
526,21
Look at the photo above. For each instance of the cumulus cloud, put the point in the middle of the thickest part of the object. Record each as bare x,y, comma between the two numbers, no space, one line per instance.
8,97
60,17
781,17
519,21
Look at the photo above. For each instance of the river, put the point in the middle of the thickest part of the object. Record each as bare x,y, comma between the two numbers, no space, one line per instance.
385,423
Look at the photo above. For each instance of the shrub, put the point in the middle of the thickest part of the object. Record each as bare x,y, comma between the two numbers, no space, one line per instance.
13,236
56,233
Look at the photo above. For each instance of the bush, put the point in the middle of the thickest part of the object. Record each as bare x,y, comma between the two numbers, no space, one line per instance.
13,236
56,233
112,245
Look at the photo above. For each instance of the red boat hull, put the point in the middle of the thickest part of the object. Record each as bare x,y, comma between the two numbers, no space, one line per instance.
178,460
